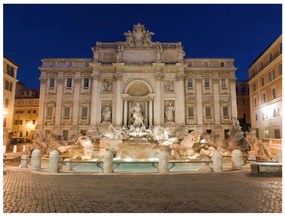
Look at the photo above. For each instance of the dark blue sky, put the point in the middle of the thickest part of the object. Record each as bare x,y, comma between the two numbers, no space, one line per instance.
33,32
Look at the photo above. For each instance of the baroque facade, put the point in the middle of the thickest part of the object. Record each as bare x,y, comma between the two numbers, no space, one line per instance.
265,87
134,83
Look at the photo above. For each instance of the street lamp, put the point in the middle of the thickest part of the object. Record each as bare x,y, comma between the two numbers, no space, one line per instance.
29,127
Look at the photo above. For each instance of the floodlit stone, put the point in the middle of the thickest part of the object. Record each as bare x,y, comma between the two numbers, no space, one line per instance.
163,162
24,161
53,161
108,162
36,160
237,161
217,161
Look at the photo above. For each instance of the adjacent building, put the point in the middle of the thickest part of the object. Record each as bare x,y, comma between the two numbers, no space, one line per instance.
25,113
265,86
137,82
9,85
243,106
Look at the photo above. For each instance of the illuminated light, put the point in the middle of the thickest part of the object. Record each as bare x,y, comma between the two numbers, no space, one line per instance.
203,141
29,124
5,112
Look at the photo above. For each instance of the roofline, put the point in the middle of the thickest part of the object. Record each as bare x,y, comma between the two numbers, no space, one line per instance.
11,61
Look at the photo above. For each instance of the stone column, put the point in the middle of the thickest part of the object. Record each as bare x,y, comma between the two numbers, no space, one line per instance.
217,115
108,162
150,113
158,105
125,113
163,161
180,100
59,93
94,99
199,100
53,161
24,161
75,115
217,161
36,160
42,101
118,100
233,97
237,160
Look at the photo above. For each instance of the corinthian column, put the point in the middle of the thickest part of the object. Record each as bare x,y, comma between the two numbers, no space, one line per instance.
233,96
59,92
158,105
118,100
216,100
95,99
180,100
76,99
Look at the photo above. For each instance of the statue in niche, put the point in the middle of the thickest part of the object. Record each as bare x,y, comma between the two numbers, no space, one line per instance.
169,113
168,85
120,54
158,54
106,85
137,117
107,113
181,54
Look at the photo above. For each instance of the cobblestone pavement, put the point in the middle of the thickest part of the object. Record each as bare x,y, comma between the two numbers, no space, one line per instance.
204,192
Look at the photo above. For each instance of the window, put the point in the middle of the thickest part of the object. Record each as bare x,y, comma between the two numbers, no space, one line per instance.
5,122
225,111
257,132
10,70
273,93
51,82
27,133
270,57
277,133
223,83
243,101
222,64
84,112
7,85
280,69
68,82
255,102
6,103
266,133
49,112
66,113
29,111
65,134
34,122
254,87
86,83
256,117
11,87
83,132
207,82
190,112
208,112
263,97
206,64
262,81
261,65
34,111
190,83
271,76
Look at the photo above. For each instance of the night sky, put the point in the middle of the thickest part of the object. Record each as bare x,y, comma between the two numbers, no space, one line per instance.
33,32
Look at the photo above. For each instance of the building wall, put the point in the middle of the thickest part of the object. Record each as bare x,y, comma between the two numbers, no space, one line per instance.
265,105
9,86
121,74
243,103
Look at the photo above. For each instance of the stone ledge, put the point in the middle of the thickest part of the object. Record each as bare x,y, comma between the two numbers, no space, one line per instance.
268,167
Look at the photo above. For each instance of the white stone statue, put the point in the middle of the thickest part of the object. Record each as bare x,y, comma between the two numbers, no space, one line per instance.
106,85
120,54
136,113
107,113
169,113
181,54
158,54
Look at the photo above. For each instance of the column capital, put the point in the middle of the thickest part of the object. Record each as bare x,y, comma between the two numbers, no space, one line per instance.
158,76
118,76
95,75
180,77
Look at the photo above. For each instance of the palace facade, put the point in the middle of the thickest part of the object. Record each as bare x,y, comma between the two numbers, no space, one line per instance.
137,78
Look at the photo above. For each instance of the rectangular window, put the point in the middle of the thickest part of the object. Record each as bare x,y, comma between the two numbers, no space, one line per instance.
86,83
266,133
271,75
255,102
257,132
49,112
243,101
273,93
66,113
263,97
261,65
34,111
68,82
223,83
277,133
34,122
270,57
256,117
262,81
6,103
222,64
208,112
65,134
190,112
190,83
10,70
84,112
29,111
207,82
225,111
11,87
280,69
5,122
254,87
7,85
206,64
51,82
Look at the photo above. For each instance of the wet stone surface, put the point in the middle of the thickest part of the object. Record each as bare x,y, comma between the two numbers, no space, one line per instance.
206,192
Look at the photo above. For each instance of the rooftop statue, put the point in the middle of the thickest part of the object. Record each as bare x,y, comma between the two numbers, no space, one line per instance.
139,36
